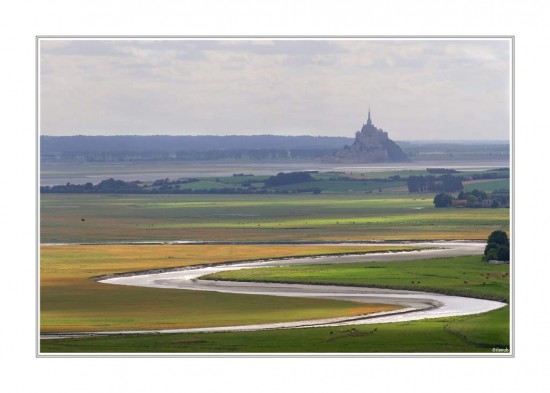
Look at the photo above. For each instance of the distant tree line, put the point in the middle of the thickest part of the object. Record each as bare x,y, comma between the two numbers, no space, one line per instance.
174,143
455,149
441,170
490,175
254,154
166,186
191,155
474,199
448,182
283,179
431,183
112,186
272,147
370,179
109,186
77,189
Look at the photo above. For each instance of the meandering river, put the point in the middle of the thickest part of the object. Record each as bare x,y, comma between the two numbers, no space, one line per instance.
414,305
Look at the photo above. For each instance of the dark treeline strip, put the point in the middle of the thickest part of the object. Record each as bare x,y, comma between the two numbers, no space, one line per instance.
232,147
129,189
489,175
260,185
282,179
172,144
455,148
448,182
248,186
441,170
190,155
475,199
430,183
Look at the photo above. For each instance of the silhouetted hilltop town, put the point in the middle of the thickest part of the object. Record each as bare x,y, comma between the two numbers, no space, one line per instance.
371,144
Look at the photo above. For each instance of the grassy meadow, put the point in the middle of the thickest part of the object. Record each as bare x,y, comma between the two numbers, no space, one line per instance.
70,301
488,185
305,217
472,334
462,276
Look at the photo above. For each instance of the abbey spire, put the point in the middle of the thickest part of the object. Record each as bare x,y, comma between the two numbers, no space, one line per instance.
369,121
371,144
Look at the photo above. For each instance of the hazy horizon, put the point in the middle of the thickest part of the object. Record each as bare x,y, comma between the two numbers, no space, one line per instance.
415,88
282,135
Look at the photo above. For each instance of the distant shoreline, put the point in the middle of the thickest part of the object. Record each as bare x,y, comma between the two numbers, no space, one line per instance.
82,172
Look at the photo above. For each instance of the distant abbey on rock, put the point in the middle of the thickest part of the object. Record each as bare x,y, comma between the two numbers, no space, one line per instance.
371,145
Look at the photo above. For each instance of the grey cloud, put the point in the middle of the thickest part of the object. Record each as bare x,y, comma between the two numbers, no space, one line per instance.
416,87
293,47
83,48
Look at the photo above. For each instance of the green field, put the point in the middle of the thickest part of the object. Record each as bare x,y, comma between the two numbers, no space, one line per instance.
307,217
70,301
463,276
489,186
468,334
490,329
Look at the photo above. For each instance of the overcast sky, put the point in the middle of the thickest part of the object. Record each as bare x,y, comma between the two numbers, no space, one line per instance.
416,89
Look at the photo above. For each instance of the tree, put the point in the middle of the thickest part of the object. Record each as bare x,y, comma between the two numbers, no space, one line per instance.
451,183
489,247
498,247
443,200
491,255
472,201
480,195
498,237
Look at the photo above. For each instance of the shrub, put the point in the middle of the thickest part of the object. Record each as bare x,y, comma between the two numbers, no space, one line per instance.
443,200
283,179
498,247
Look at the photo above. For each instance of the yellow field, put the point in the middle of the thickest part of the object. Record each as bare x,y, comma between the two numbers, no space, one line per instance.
70,301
